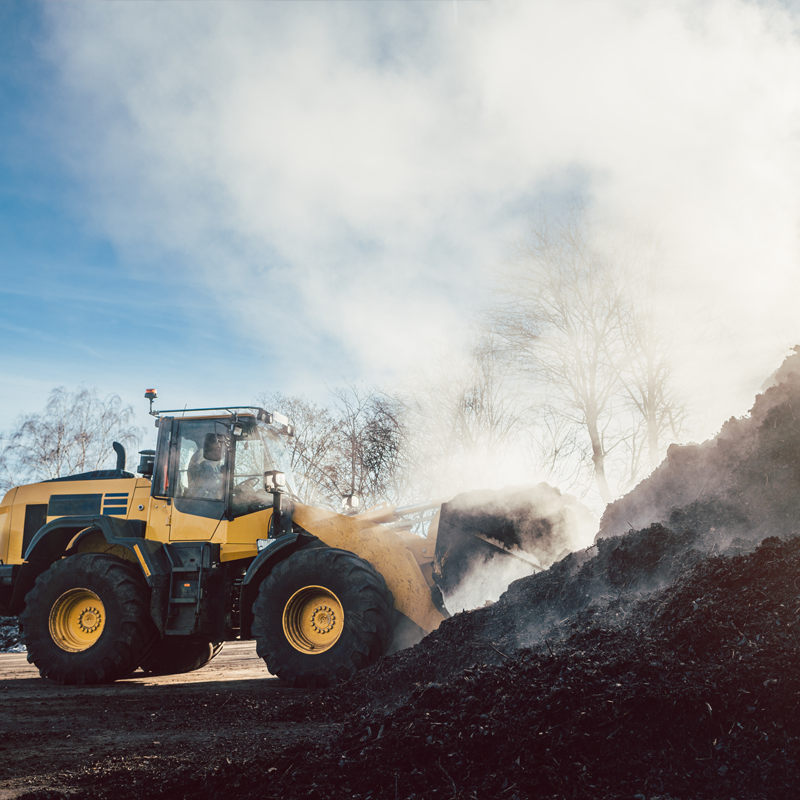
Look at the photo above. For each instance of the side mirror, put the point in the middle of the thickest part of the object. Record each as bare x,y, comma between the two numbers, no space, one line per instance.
146,463
280,522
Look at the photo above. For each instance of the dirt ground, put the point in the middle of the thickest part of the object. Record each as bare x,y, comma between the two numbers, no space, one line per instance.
55,737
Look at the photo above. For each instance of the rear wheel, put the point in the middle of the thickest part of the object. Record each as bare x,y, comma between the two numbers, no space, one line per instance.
321,615
175,655
87,620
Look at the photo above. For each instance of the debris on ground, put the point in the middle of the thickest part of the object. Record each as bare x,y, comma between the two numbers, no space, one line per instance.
9,636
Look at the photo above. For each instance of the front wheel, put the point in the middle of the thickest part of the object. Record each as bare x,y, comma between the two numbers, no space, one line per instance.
321,615
87,620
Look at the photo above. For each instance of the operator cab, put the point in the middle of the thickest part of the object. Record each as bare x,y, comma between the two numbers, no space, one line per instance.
214,466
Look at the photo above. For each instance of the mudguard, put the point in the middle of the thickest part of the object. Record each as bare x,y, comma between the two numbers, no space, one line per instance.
273,553
52,542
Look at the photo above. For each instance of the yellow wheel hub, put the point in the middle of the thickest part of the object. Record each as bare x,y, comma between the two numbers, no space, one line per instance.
77,619
313,619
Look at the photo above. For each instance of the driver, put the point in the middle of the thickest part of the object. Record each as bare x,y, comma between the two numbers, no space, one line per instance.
206,471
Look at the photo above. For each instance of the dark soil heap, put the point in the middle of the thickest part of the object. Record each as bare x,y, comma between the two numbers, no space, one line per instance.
662,664
745,482
695,696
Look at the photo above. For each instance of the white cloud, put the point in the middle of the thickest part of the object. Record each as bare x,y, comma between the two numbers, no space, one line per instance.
345,176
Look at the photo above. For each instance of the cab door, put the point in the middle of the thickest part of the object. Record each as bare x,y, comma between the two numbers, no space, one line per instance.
194,478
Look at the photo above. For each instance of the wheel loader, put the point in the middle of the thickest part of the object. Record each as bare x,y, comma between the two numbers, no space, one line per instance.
110,572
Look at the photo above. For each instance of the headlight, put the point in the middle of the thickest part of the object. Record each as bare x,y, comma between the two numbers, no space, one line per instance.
350,502
274,481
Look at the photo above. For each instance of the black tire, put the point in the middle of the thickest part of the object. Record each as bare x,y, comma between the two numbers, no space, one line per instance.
123,627
175,655
359,637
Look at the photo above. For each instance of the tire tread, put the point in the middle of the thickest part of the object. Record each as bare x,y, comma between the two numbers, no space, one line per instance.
135,632
369,623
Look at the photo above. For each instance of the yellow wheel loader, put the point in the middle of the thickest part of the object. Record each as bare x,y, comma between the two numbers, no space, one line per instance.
110,572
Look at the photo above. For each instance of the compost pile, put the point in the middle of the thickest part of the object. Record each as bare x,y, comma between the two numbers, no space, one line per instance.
743,483
661,663
696,695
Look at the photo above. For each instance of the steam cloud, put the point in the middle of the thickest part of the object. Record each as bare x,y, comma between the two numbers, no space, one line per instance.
367,164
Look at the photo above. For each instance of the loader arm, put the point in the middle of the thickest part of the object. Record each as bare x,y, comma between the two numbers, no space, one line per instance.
385,550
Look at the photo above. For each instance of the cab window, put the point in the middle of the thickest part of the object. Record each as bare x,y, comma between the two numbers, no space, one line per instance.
202,459
250,463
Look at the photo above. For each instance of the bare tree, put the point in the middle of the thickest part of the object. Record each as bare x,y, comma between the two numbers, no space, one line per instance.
311,449
7,476
579,311
647,372
558,450
353,447
561,315
73,434
486,412
370,444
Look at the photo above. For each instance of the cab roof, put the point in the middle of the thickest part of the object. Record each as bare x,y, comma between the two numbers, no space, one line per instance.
233,412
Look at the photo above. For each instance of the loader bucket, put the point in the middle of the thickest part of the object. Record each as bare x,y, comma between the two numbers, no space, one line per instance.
486,539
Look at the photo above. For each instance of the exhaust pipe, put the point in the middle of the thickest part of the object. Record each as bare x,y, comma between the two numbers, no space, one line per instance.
120,451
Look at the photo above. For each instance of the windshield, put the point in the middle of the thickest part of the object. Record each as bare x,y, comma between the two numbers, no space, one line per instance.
276,455
251,456
258,450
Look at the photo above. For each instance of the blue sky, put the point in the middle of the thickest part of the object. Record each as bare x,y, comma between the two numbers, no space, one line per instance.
83,304
72,310
223,199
